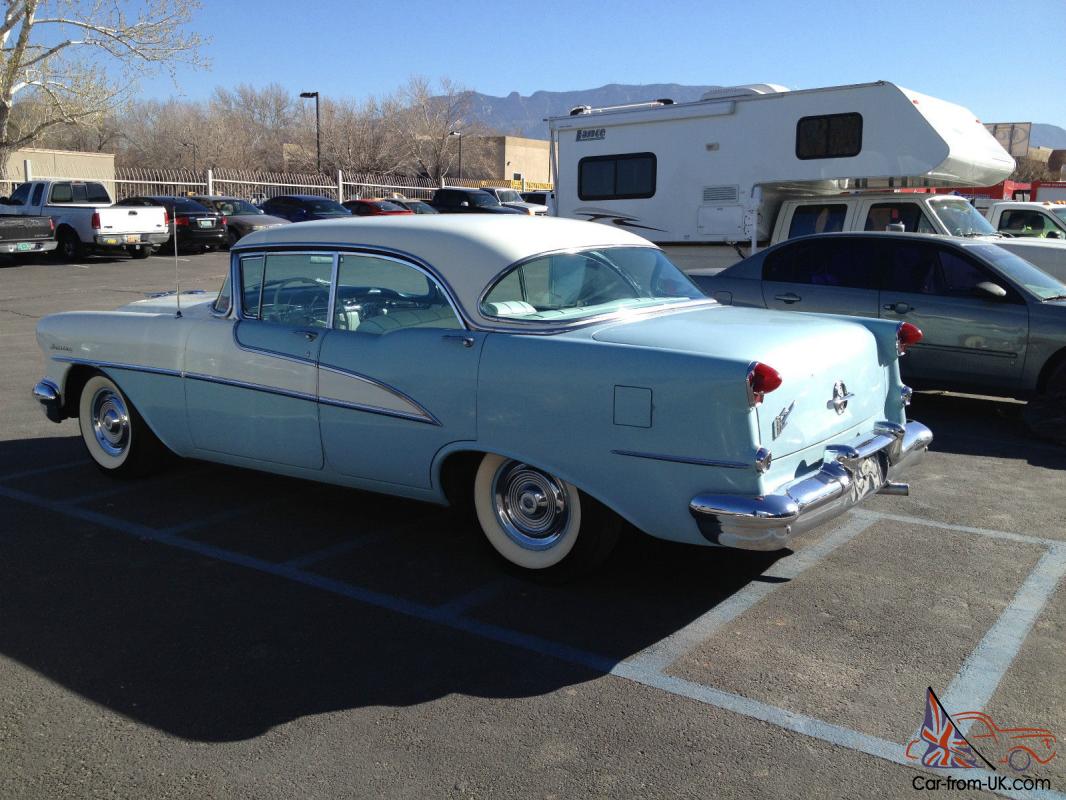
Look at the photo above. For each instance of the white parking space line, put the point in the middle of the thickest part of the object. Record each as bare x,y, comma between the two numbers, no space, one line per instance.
29,473
339,549
808,726
948,526
641,670
463,603
984,668
665,652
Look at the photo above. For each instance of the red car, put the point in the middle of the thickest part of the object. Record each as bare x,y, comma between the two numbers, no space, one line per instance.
375,208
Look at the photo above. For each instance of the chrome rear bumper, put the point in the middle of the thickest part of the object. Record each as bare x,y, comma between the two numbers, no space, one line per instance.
848,475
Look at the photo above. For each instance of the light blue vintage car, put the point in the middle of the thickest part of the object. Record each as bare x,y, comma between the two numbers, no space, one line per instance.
556,376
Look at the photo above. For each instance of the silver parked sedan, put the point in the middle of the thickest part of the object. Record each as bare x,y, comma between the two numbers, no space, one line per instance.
994,324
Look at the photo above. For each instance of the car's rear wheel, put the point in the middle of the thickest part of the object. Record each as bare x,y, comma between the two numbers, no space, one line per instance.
540,523
116,436
69,247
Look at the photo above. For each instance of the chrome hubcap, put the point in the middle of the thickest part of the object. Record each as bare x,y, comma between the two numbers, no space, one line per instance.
531,506
111,422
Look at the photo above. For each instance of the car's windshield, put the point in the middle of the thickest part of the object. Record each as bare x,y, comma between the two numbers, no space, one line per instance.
1060,214
482,199
234,207
326,207
508,196
962,219
1022,272
387,205
565,287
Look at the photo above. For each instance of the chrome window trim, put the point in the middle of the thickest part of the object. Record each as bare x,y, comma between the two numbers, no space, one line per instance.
439,283
546,328
388,253
701,462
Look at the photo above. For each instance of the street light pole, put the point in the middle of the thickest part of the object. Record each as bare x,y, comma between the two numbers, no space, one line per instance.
318,129
460,135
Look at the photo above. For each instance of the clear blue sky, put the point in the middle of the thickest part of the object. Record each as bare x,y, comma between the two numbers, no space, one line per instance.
1004,60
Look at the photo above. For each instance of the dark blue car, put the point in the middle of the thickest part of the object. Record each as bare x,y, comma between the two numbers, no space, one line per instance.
303,207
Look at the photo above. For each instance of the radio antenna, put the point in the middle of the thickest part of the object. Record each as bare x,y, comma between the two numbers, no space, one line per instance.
177,280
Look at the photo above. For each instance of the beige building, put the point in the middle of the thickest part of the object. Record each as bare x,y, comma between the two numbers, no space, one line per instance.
60,164
515,158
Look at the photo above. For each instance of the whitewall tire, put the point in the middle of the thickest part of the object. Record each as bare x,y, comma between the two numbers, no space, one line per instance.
539,522
115,435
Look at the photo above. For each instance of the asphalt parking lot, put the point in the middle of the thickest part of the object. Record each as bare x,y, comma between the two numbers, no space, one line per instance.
211,632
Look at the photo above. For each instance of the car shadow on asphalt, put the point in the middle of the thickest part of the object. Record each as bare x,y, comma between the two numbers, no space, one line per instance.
219,649
984,426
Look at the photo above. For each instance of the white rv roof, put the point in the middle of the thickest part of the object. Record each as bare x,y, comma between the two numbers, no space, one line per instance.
942,143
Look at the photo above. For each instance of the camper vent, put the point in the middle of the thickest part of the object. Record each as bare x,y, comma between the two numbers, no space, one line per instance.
720,194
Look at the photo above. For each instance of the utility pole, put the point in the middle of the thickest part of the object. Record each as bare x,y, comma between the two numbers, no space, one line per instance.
460,135
318,129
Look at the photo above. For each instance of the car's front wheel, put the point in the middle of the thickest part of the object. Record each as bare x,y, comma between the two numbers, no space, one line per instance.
541,523
116,436
1045,414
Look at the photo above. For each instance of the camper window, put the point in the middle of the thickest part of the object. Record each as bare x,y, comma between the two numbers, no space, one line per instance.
628,176
829,136
827,218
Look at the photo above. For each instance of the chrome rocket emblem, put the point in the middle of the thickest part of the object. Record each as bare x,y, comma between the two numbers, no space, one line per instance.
781,420
841,395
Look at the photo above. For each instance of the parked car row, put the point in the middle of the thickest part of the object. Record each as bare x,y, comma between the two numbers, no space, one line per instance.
74,219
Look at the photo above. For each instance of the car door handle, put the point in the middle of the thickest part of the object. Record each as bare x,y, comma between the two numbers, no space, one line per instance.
467,341
308,335
789,298
899,308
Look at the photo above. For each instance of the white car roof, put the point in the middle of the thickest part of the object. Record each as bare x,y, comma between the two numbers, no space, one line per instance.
467,250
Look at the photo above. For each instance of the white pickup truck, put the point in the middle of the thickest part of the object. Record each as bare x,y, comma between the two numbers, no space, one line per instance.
87,221
944,214
1028,220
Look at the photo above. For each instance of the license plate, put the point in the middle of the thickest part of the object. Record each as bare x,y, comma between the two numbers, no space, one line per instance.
24,246
206,223
111,241
133,238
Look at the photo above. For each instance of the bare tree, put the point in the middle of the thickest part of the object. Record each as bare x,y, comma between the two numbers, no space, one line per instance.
426,123
76,59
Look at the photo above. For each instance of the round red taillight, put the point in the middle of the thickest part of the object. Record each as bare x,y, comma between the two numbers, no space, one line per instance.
762,379
906,335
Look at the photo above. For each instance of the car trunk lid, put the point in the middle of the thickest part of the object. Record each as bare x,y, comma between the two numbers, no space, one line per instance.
832,378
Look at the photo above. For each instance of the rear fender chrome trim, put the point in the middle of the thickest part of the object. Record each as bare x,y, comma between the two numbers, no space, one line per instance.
702,462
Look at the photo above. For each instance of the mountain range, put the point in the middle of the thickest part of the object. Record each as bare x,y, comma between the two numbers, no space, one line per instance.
524,116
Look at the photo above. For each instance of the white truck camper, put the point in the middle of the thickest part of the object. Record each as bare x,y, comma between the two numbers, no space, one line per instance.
706,179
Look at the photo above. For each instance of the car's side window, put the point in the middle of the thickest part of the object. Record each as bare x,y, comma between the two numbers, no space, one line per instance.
296,289
62,193
224,300
844,262
959,276
20,195
817,218
1025,223
38,190
911,267
380,295
914,220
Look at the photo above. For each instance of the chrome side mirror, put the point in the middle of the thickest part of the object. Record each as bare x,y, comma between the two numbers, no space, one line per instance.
992,289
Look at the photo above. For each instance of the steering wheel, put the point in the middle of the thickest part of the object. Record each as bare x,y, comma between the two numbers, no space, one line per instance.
276,302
